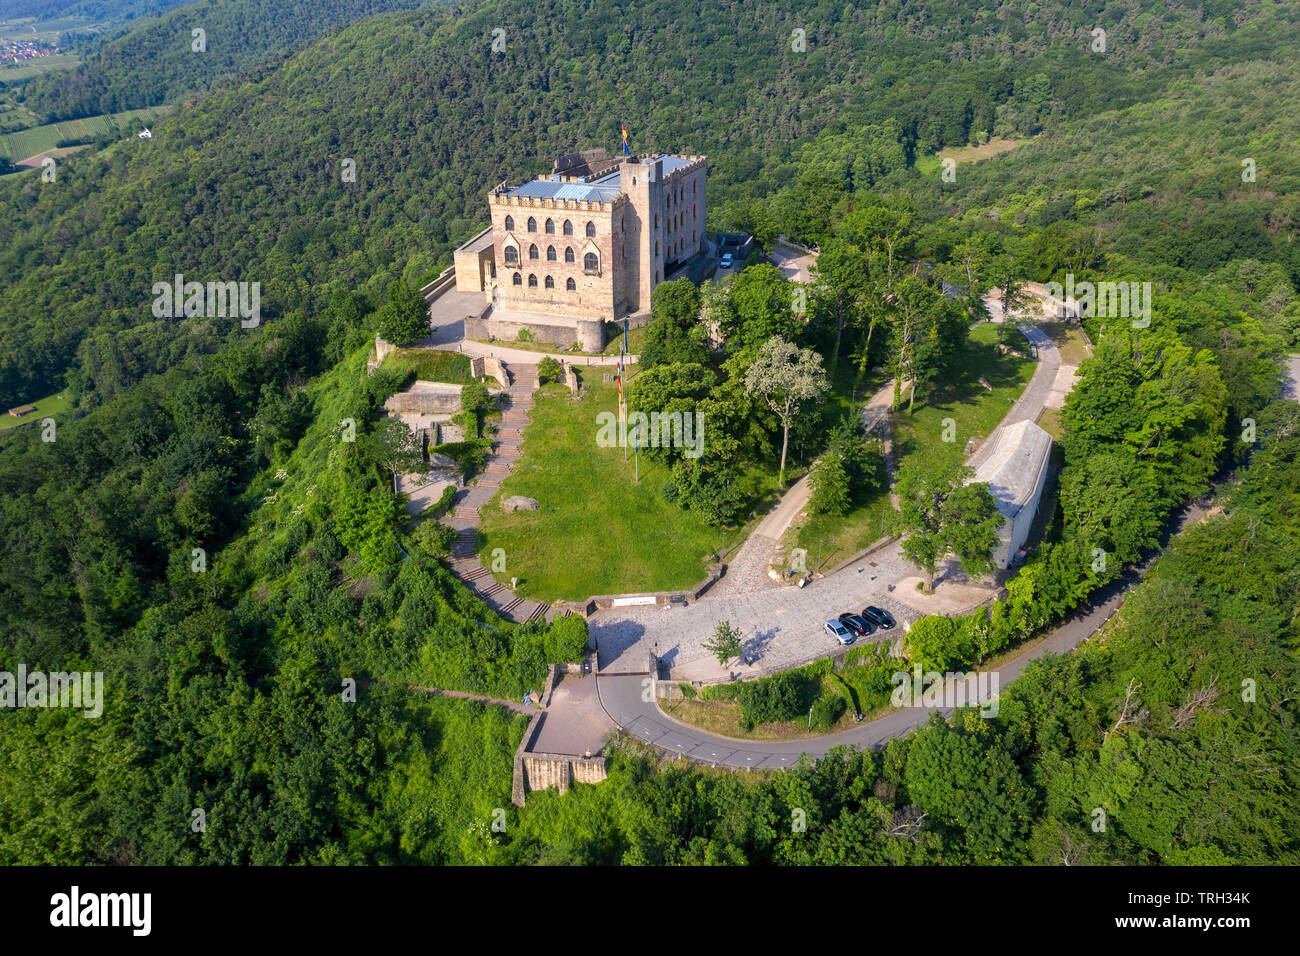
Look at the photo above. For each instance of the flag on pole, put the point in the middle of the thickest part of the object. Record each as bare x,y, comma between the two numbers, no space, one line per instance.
626,151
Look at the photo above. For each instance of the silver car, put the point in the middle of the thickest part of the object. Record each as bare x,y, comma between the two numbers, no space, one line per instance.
838,631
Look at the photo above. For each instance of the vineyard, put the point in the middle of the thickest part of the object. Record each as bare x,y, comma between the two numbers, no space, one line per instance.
27,143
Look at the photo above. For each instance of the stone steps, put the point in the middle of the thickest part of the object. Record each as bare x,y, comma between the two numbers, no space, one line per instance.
538,612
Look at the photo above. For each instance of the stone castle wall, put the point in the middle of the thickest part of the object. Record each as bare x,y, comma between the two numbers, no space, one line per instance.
593,295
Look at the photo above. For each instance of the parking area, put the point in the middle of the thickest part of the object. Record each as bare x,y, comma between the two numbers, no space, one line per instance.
780,627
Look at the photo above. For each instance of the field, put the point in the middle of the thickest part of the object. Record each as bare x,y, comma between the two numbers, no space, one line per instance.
598,531
932,162
27,28
28,143
49,405
29,68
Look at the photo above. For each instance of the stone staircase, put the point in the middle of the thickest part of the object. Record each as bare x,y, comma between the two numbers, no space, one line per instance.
506,448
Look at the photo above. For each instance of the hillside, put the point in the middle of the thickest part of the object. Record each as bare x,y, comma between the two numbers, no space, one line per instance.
157,62
245,184
202,531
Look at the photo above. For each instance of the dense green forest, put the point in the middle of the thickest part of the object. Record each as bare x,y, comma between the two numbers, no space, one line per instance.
202,532
162,60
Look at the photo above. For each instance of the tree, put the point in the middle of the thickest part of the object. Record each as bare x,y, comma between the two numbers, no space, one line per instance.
674,333
761,307
395,446
830,486
927,330
786,376
725,643
842,274
1006,273
474,402
405,317
944,514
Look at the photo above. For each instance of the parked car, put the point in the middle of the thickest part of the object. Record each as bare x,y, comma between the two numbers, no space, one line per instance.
838,631
859,625
879,616
727,260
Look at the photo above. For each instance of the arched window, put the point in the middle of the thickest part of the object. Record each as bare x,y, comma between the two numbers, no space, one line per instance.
570,285
517,280
568,255
512,256
568,228
591,228
510,223
550,253
656,247
532,252
656,220
550,283
532,224
591,263
550,227
532,281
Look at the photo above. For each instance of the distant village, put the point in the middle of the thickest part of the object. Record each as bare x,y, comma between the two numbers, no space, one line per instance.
17,51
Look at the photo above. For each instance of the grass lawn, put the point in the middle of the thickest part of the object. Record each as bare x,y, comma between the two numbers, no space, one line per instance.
1050,422
431,365
635,340
975,411
598,531
50,405
1068,339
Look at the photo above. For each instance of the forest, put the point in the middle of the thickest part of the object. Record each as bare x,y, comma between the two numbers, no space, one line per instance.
200,532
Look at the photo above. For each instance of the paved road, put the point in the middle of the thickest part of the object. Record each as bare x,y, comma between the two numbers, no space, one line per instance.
622,696
783,623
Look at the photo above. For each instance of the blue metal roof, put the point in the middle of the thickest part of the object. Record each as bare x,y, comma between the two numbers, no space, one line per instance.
673,163
551,189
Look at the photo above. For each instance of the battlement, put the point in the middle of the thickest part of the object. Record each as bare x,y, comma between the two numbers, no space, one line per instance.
546,202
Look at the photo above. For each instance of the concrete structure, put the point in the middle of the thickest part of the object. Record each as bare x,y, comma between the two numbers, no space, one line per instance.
1015,471
586,244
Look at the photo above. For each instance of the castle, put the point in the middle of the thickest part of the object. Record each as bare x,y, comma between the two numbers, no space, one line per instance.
586,244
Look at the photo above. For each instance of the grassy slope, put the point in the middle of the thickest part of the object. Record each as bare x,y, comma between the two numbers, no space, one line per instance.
49,405
431,365
598,531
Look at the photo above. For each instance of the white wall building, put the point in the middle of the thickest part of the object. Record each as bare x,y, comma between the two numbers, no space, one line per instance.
1015,472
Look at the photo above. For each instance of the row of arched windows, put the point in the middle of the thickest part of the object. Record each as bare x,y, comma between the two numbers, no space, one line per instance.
512,255
549,226
569,284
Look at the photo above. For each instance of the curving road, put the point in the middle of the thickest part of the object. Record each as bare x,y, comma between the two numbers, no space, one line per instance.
621,695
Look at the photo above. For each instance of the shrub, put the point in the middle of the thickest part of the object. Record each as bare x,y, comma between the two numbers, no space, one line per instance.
782,696
434,538
566,640
548,370
828,708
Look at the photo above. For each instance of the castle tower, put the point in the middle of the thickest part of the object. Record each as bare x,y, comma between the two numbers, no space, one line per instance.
641,180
